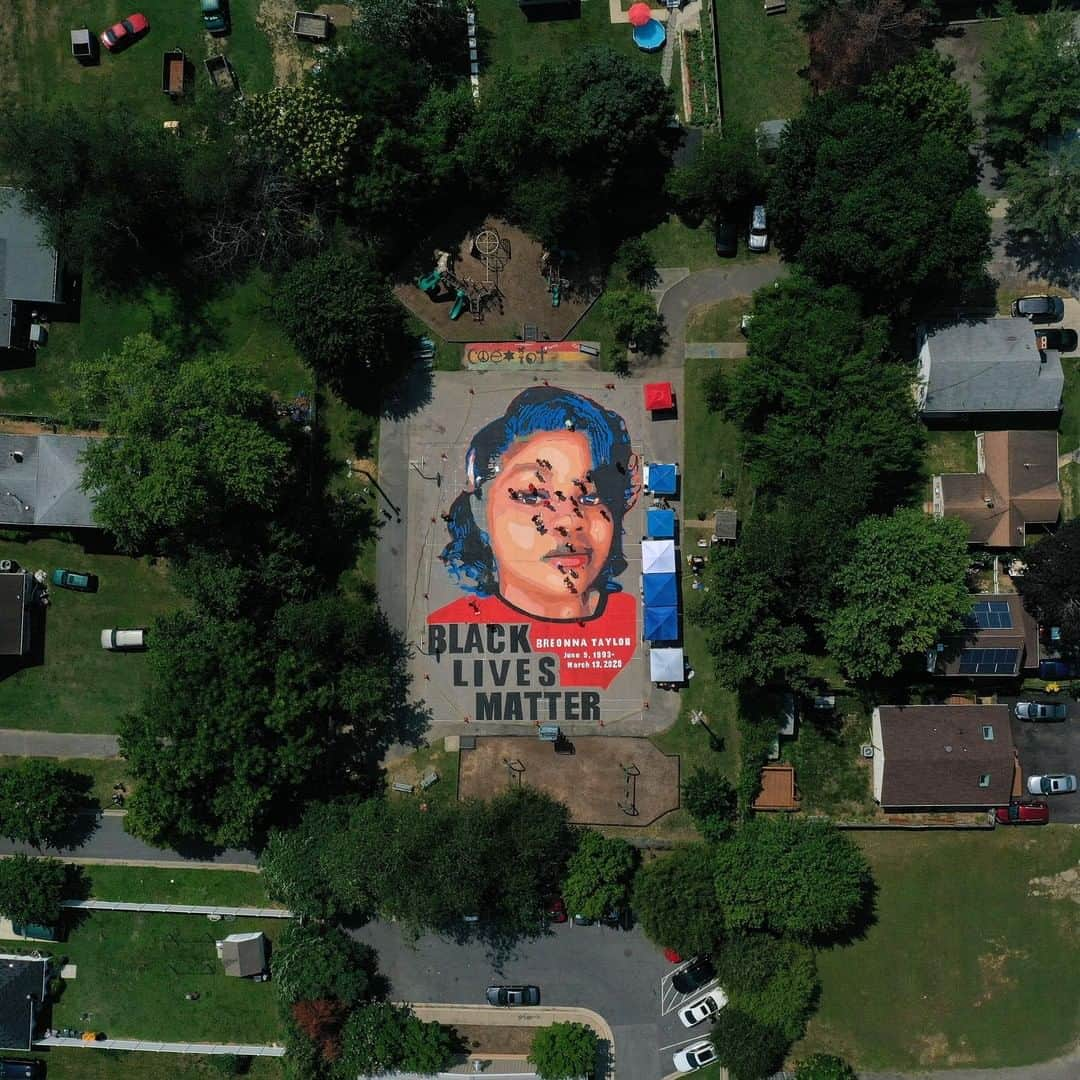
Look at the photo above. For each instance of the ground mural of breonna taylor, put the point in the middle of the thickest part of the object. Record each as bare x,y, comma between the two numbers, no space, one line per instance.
536,545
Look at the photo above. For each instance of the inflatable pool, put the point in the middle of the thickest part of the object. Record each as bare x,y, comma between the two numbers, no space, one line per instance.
651,36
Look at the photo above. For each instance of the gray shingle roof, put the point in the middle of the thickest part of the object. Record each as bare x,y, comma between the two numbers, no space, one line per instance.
21,979
990,365
28,265
43,488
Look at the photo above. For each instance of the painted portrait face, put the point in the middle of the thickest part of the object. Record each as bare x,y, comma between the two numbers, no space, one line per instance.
550,534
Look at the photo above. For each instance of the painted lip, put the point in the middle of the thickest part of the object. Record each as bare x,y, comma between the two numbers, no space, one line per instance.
570,558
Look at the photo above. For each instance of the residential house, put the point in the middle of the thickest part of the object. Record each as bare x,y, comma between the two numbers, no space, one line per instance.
988,372
23,984
17,592
1016,485
41,481
29,271
943,757
1002,641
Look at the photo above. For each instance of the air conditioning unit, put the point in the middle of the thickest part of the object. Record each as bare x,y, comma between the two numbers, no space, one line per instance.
6,566
866,750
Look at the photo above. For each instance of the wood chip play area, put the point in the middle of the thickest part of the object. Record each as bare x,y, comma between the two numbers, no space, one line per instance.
604,780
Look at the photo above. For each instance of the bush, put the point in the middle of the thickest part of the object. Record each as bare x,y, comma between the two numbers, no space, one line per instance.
824,1067
711,801
564,1051
749,1050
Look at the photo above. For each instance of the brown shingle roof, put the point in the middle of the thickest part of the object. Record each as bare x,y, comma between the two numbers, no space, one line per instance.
1018,487
934,756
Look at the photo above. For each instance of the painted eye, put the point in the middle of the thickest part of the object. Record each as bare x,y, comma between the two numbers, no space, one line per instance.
591,499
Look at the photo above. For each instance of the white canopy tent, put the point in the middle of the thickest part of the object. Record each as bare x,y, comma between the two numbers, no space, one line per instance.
658,556
667,665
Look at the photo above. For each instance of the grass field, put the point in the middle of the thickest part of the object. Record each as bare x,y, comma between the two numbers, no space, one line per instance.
90,1064
80,686
719,321
412,768
148,885
46,72
674,243
966,964
135,969
1070,416
949,452
102,772
832,778
760,59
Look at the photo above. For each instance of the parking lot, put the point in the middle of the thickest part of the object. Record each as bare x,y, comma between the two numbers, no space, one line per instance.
1050,748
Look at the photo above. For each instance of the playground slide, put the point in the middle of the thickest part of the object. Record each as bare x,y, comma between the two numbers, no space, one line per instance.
459,304
429,282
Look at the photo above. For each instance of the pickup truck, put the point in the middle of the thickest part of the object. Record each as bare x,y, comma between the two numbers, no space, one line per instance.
215,16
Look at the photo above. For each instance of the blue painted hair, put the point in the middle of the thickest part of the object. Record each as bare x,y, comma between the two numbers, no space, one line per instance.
468,555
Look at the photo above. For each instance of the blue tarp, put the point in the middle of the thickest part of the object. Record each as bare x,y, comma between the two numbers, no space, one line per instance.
660,524
662,478
660,590
661,624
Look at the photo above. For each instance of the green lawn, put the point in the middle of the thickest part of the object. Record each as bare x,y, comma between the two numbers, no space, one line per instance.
719,321
712,444
130,80
102,772
410,769
1070,490
80,686
965,965
760,59
148,885
72,1064
507,37
674,243
950,452
134,970
1070,416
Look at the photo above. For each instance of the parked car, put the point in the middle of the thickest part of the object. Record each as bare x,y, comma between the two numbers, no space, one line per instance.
583,920
215,16
1059,338
617,919
1033,812
726,236
118,640
1041,710
1039,309
694,976
759,232
694,1056
126,31
1058,669
513,996
704,1008
744,323
1052,784
555,909
21,1068
74,579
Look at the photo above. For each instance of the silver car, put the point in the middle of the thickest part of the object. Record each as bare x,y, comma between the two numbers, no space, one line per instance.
1052,784
1041,710
513,996
759,231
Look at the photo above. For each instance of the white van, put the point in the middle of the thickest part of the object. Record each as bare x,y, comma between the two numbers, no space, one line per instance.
121,640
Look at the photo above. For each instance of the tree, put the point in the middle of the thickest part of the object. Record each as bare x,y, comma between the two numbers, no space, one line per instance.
855,40
864,198
724,178
191,445
303,129
337,308
564,1051
320,1022
598,875
40,801
385,1038
802,879
675,900
1050,586
263,718
924,91
748,1049
710,800
903,587
1031,76
635,322
1044,196
824,1067
314,962
31,889
636,262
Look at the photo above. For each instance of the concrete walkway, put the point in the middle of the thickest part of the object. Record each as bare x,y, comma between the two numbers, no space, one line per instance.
179,909
1063,1068
57,744
715,350
238,1049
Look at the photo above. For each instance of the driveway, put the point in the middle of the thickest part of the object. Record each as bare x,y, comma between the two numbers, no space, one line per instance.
616,973
1050,748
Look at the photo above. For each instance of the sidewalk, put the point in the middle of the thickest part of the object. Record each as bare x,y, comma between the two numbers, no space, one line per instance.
540,1016
57,744
237,1049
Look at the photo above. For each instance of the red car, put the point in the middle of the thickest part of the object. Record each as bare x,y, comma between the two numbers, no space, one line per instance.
125,32
556,909
1035,812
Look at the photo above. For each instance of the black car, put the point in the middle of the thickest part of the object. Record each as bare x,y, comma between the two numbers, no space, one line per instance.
694,976
1059,338
617,919
727,239
513,996
1039,309
21,1068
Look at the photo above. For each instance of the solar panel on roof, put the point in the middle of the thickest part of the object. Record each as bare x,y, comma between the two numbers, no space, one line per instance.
989,661
990,615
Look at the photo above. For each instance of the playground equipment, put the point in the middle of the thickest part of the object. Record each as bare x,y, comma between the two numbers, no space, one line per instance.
429,283
459,304
628,803
550,268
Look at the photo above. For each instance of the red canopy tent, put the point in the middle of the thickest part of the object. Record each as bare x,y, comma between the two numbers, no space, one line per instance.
659,396
639,14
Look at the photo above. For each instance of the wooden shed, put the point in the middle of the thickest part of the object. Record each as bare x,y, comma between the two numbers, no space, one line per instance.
778,790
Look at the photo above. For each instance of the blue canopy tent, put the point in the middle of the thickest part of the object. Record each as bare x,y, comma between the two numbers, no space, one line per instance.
660,524
660,590
661,624
661,479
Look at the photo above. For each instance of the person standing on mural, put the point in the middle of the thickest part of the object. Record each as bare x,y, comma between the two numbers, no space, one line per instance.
517,546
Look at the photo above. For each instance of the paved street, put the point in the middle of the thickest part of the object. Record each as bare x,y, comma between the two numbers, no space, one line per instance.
1050,748
57,744
615,973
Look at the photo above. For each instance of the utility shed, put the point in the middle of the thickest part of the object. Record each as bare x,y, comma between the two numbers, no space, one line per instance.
16,595
243,955
29,268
